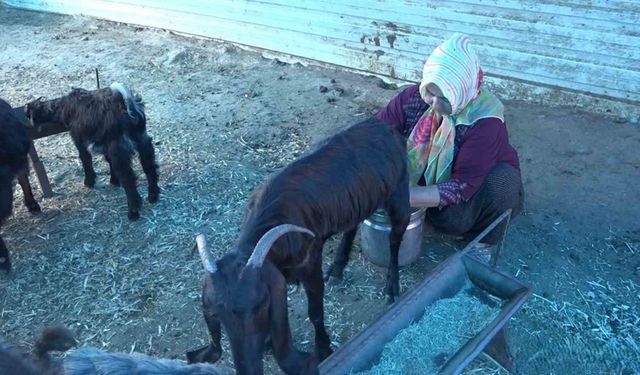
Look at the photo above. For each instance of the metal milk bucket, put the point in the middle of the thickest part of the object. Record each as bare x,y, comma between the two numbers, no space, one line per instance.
374,235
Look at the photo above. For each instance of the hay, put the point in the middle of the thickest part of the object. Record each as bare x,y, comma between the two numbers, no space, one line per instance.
424,346
599,337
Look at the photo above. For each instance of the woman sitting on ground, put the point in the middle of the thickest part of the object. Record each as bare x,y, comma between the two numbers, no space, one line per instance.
462,167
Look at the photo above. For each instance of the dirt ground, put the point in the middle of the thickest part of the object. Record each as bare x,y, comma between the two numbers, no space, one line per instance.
222,120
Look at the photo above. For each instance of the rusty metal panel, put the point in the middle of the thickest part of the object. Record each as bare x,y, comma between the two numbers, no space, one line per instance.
586,46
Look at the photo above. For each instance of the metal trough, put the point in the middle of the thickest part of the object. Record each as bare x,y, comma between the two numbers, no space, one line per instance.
445,281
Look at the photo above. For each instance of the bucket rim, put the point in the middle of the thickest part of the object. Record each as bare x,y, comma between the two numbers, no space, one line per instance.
380,215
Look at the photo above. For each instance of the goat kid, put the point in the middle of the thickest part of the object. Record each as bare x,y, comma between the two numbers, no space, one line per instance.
14,147
110,121
328,191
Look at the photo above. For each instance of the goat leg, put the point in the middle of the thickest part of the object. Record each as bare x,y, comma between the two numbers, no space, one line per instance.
147,156
215,349
5,260
29,200
210,353
335,272
113,177
399,212
393,277
86,160
314,287
120,155
6,206
290,360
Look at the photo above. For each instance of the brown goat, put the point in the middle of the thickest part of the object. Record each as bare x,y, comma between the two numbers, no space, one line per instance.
109,121
328,191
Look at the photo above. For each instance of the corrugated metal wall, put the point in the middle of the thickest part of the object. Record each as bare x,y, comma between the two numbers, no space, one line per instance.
589,46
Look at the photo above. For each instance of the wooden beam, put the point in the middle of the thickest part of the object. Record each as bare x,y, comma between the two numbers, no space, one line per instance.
41,173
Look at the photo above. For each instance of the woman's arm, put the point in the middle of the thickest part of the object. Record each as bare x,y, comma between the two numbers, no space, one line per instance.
477,155
424,196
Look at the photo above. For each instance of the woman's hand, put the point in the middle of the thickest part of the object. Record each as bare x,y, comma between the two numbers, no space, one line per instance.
424,196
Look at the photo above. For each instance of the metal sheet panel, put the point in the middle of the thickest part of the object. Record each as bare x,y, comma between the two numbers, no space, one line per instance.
586,46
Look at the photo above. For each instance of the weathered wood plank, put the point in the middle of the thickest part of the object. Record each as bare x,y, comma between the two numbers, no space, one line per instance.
589,46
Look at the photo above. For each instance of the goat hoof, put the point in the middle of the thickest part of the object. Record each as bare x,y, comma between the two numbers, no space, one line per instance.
311,366
5,264
334,280
34,208
327,275
153,197
134,215
90,183
324,353
390,300
333,276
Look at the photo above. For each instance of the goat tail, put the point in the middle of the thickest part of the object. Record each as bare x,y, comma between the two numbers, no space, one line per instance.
132,100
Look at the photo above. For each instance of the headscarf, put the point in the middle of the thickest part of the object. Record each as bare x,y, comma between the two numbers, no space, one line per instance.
454,67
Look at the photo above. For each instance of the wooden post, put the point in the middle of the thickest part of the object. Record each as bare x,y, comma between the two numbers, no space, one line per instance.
35,132
40,172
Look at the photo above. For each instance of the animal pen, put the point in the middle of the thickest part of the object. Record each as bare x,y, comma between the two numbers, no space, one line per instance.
235,90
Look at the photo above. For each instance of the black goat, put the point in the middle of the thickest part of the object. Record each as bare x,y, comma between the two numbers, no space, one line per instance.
88,361
328,191
110,121
14,147
16,362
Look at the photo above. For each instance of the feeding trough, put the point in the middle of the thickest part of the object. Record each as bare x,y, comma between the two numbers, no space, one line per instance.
446,281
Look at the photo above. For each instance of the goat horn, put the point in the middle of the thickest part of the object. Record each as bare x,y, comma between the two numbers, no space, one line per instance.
264,245
205,255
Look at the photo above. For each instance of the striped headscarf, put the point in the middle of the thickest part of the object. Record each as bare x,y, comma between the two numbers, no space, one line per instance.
454,67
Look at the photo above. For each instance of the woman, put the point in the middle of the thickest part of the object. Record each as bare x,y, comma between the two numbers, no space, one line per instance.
462,167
